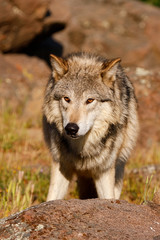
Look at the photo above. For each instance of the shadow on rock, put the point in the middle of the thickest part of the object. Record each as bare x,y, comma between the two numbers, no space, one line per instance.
43,49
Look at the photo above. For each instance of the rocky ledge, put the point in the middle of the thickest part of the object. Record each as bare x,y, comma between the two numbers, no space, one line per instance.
84,219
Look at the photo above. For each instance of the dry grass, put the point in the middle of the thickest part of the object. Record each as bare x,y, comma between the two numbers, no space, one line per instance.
24,163
141,179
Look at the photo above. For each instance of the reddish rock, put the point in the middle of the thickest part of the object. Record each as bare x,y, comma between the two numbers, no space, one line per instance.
126,29
147,86
22,21
84,219
22,80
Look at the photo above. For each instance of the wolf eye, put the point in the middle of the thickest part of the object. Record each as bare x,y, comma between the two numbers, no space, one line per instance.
89,100
67,99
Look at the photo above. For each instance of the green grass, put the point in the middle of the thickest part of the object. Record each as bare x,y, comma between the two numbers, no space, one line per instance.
25,167
152,2
21,188
15,197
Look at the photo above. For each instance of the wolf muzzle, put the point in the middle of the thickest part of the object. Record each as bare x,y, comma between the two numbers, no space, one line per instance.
72,129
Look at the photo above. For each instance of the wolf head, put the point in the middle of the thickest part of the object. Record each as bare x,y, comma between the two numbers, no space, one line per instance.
80,91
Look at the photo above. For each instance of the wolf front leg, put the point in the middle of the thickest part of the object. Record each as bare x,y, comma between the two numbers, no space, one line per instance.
105,184
119,172
58,183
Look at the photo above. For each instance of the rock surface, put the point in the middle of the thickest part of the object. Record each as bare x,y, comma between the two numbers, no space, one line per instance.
84,219
147,88
22,83
118,28
22,21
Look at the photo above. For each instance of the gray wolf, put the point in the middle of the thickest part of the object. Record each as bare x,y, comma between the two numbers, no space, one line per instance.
90,124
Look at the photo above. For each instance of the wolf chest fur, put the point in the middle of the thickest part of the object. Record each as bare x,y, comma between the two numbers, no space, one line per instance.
90,124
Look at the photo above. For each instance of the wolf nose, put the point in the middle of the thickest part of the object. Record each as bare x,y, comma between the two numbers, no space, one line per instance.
71,129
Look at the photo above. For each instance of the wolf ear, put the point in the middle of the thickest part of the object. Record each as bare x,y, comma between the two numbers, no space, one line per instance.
59,66
109,70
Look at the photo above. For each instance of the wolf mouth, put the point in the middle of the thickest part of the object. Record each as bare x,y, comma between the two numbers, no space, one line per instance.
74,136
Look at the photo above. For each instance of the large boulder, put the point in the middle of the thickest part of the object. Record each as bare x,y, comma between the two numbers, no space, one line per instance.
22,21
117,28
23,81
84,219
147,88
